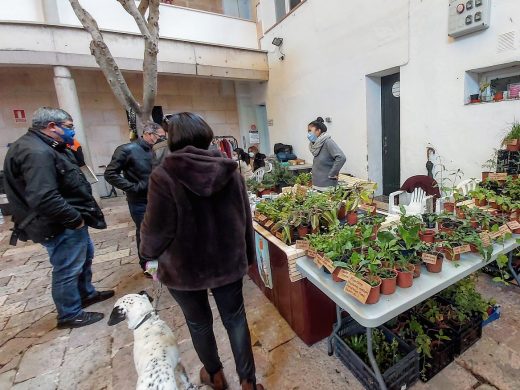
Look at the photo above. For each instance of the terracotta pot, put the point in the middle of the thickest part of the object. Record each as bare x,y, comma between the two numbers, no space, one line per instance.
513,147
375,294
342,212
473,248
493,205
474,224
498,96
335,275
303,231
480,203
449,207
427,236
375,208
417,270
437,267
388,286
405,278
461,214
448,253
352,218
375,231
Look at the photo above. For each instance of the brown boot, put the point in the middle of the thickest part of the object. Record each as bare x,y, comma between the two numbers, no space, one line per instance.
249,386
219,380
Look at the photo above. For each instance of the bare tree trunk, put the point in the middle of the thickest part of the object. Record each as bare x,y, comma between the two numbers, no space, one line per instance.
149,28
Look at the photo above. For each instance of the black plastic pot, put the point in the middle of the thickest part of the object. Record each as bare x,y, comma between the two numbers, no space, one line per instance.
429,225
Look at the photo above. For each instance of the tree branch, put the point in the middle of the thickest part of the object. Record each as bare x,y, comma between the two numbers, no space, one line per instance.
105,60
131,8
143,6
150,59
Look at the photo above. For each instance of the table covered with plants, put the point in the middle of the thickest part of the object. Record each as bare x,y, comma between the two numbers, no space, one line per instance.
382,274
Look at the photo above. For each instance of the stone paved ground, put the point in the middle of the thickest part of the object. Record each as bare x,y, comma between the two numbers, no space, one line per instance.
36,355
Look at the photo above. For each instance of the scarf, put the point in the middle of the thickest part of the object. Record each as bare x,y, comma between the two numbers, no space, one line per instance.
315,147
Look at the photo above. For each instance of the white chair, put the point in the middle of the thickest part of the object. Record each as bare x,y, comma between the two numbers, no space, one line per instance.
258,175
414,203
268,167
466,186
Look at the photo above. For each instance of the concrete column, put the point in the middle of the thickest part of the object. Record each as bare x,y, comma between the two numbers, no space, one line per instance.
50,11
246,111
68,100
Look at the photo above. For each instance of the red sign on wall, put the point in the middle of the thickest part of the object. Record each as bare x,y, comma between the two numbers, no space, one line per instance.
19,116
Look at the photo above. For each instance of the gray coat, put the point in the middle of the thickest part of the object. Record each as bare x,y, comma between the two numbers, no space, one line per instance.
327,163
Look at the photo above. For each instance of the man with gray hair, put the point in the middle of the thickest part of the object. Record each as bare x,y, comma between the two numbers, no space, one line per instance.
134,161
53,205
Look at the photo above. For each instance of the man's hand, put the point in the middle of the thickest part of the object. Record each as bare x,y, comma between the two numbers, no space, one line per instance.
81,225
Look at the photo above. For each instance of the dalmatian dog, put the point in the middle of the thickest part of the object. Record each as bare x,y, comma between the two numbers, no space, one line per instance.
156,355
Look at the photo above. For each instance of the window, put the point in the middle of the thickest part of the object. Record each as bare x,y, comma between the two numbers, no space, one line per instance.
294,3
282,7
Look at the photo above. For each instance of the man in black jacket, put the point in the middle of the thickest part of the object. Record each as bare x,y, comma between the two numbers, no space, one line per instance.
53,205
134,160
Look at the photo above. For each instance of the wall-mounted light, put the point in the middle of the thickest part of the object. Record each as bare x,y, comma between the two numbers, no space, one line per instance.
278,43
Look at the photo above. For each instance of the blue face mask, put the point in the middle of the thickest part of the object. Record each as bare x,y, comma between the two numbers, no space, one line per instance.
312,137
68,135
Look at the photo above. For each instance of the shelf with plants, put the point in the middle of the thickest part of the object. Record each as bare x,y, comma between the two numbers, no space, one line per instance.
444,326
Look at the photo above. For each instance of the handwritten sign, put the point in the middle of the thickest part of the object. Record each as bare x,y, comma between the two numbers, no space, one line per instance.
358,288
469,202
311,252
504,229
268,224
279,235
260,217
497,176
458,250
513,225
486,240
327,263
429,258
345,275
302,244
367,208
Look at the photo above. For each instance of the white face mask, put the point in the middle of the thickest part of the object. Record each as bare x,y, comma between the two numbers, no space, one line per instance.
251,154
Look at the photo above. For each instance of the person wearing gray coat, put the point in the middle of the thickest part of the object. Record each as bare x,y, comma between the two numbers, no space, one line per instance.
328,157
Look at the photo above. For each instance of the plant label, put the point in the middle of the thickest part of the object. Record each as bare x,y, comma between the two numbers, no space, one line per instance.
318,260
345,275
327,263
458,250
504,229
279,235
512,142
513,225
311,252
358,288
260,217
469,202
302,244
268,224
429,258
486,240
367,208
497,176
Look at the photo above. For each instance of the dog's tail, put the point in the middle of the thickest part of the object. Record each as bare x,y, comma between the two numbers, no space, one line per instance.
183,382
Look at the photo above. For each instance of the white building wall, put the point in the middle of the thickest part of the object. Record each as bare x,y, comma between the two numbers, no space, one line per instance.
332,46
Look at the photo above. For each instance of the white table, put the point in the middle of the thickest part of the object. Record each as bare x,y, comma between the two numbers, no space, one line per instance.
388,307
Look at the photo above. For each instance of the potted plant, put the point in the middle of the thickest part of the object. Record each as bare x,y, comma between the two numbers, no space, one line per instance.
304,179
375,292
490,165
499,95
479,196
427,235
474,98
436,267
446,247
430,220
512,139
405,271
485,92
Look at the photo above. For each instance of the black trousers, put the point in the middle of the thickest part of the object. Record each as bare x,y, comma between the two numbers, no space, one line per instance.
137,210
230,304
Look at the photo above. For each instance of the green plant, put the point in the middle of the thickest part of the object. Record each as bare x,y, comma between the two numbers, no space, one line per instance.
491,164
304,179
466,298
513,133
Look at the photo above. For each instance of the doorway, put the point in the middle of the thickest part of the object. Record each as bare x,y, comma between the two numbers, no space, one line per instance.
391,132
263,129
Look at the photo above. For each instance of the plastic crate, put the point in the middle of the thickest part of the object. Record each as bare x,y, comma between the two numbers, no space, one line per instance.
404,373
440,359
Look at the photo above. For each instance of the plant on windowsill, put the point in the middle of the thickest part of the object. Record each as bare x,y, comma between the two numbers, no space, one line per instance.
512,139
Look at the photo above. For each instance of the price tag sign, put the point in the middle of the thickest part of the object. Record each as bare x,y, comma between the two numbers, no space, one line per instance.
302,244
429,258
279,235
367,208
513,225
466,203
327,263
318,260
311,252
503,230
268,224
345,275
486,240
497,176
458,250
358,288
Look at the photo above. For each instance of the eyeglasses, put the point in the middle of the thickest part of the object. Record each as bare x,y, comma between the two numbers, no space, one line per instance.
71,127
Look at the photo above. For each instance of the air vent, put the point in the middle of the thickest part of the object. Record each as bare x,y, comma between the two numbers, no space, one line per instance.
506,42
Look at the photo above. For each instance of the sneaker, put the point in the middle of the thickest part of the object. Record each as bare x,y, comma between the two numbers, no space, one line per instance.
100,296
83,319
147,275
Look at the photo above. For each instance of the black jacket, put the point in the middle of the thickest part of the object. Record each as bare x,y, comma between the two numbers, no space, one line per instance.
135,161
42,176
198,221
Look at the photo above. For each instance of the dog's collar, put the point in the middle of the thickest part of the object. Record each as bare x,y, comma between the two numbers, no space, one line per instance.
146,318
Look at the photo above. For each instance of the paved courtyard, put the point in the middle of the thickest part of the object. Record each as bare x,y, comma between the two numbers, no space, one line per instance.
36,355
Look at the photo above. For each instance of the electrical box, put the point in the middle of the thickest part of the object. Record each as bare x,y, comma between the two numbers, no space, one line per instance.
468,16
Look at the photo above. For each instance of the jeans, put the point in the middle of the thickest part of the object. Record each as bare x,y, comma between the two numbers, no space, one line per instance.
199,318
137,210
71,255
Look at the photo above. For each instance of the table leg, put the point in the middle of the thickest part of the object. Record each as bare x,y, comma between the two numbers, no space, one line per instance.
335,330
373,363
512,269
